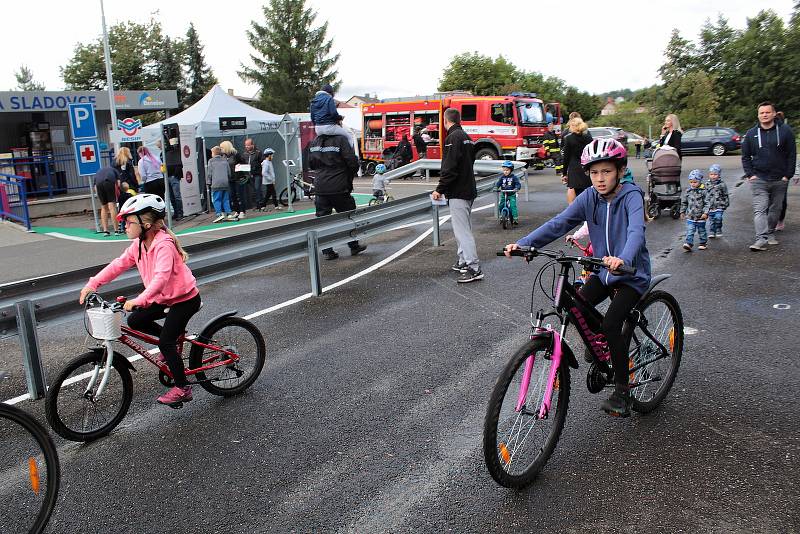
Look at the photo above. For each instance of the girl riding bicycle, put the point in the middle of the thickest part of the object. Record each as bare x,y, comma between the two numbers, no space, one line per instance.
614,212
170,289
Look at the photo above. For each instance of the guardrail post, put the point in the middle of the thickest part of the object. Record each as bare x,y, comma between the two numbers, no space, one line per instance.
436,238
313,263
527,196
31,355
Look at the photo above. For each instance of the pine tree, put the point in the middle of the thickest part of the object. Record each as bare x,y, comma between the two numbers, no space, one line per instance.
171,71
200,77
291,59
25,81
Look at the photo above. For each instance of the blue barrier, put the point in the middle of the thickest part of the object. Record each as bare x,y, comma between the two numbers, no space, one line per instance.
52,174
14,200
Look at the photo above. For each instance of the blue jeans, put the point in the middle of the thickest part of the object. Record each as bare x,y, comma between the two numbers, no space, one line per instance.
715,218
222,201
700,227
175,196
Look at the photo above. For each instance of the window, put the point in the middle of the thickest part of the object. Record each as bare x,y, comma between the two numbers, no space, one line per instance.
706,132
469,113
689,135
503,113
722,132
530,113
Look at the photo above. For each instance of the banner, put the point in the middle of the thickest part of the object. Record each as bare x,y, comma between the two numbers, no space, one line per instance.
190,188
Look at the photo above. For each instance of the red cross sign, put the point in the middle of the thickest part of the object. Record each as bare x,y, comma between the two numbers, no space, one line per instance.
87,154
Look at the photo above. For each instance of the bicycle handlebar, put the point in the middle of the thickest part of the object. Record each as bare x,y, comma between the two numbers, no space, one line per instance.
96,299
530,252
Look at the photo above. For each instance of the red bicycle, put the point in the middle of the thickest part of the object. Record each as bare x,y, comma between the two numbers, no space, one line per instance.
92,393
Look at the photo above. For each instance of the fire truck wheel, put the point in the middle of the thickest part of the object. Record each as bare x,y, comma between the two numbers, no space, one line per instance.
486,153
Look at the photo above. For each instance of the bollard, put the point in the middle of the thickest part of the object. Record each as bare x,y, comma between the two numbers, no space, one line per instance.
313,263
31,355
527,197
436,238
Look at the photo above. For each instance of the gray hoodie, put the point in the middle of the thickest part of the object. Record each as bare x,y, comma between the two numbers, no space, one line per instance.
217,173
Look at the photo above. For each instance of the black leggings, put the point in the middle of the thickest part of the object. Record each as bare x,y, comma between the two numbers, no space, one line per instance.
175,321
623,299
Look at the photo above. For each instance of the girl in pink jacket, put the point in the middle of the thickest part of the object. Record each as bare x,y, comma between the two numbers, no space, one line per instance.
170,291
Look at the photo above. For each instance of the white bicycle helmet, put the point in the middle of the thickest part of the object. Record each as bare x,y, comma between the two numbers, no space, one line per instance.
143,203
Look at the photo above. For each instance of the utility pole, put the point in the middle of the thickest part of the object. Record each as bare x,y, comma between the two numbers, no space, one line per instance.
112,106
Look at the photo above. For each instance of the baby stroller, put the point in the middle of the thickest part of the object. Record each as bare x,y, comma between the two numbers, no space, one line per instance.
664,182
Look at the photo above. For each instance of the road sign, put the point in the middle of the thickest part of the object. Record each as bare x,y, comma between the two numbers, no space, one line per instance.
131,130
87,156
81,120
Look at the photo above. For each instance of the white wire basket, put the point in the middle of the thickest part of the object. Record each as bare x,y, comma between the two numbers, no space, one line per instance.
104,323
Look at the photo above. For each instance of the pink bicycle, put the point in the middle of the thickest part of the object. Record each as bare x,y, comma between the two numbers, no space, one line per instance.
528,405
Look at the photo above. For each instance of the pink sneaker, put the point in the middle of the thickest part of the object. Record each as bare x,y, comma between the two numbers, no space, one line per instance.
780,226
176,396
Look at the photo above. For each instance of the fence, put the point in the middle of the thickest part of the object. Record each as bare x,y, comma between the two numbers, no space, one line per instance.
14,200
51,174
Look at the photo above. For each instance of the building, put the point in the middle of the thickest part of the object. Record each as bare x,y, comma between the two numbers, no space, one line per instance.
610,108
357,100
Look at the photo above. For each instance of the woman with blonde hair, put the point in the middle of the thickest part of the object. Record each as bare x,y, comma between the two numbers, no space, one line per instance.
574,177
671,133
230,153
127,170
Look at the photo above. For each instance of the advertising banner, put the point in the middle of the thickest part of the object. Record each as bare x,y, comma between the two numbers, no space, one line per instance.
190,188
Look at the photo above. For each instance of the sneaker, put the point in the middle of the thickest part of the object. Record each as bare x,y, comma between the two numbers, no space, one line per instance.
459,267
772,241
719,234
712,235
219,219
470,275
515,222
760,244
116,232
358,249
278,208
618,404
780,226
687,247
702,246
241,215
232,217
106,234
332,255
175,397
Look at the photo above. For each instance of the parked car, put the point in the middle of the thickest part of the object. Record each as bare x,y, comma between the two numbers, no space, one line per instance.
619,134
634,138
710,140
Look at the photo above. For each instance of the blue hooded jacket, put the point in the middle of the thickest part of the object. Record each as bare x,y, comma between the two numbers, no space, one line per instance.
615,229
323,109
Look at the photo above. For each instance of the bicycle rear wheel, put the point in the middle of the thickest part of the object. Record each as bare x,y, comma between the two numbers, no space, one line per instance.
284,196
517,444
29,472
235,335
652,372
74,413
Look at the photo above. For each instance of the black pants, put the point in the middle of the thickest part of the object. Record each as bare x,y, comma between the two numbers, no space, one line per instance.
270,194
155,187
623,299
327,204
175,321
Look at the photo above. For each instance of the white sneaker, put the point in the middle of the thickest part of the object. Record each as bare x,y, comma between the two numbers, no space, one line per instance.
771,241
278,208
241,215
219,219
232,217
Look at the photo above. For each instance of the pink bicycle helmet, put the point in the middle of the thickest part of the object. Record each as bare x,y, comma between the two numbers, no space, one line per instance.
603,149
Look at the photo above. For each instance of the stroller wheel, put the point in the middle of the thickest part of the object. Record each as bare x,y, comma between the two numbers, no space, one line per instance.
675,211
653,210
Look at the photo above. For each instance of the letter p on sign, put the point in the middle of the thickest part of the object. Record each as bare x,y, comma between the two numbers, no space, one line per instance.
81,120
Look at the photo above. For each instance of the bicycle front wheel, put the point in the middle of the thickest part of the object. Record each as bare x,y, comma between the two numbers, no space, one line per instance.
653,371
284,196
517,442
29,472
74,410
231,335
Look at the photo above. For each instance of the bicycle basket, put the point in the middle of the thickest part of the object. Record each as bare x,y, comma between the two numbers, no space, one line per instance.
104,323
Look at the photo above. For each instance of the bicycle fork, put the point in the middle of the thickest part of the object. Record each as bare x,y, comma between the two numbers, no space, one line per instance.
555,358
109,359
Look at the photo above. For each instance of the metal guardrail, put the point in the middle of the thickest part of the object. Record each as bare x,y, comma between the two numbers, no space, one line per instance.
53,298
13,199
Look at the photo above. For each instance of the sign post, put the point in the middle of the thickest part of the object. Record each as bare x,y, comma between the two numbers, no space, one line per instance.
86,146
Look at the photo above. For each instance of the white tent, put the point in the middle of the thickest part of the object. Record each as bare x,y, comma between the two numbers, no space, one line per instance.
205,114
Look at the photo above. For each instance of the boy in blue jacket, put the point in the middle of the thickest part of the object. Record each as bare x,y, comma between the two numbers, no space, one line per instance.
694,208
325,116
614,212
509,184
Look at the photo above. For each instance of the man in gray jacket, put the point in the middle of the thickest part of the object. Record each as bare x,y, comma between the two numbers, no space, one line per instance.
218,173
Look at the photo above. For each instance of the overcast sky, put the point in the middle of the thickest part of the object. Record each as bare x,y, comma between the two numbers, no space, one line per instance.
398,48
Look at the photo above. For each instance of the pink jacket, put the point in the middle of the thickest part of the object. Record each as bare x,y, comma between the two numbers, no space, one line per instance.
167,279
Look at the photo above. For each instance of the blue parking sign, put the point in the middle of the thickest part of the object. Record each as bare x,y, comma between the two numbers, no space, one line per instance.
87,156
81,120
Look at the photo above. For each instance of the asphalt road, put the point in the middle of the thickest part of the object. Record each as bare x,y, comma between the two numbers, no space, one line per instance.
368,414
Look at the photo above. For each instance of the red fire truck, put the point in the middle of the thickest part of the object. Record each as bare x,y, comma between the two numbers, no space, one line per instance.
502,127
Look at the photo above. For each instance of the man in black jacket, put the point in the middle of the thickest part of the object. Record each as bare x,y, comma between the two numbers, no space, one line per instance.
336,164
769,156
457,184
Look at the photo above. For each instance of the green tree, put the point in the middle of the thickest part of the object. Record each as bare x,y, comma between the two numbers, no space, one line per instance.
575,100
291,58
135,49
480,74
170,72
200,77
25,81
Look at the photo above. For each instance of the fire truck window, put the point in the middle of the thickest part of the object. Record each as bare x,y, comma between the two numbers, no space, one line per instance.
530,113
469,113
503,113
